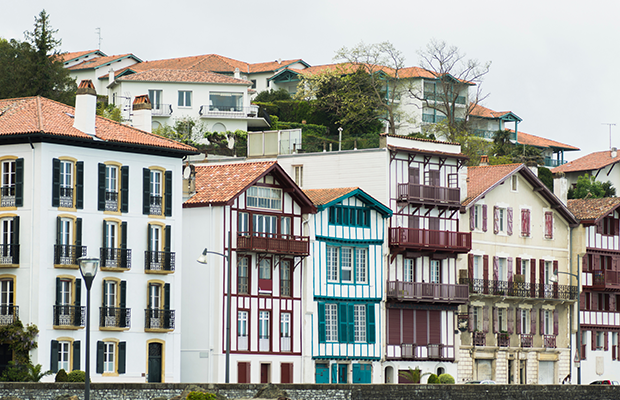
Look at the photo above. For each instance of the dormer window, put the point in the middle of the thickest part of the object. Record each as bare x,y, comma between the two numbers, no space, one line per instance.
264,197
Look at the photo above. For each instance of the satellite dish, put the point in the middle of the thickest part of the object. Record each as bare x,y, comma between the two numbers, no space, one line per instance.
187,172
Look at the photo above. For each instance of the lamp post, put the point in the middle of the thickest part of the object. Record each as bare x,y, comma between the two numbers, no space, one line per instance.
88,269
203,260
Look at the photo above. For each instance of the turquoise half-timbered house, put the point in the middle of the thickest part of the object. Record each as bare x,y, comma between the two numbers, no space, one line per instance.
348,235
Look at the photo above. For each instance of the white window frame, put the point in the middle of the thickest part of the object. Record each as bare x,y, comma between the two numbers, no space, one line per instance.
184,99
359,312
110,293
333,264
298,174
156,183
285,324
263,324
409,270
478,267
514,183
331,322
111,178
7,292
502,319
478,318
264,197
547,322
66,174
478,217
526,321
64,354
8,173
109,356
525,269
264,269
155,296
156,240
346,264
242,323
111,228
502,269
155,95
66,286
435,271
361,265
503,212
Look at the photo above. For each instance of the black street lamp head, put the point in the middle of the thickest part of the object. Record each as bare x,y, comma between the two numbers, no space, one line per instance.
88,269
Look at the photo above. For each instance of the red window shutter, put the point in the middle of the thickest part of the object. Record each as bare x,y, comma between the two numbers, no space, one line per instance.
509,221
485,319
556,325
584,263
421,327
470,267
612,302
524,222
594,302
434,331
518,266
394,333
408,326
533,277
582,301
495,320
533,322
548,224
485,267
511,319
541,328
518,316
472,212
509,270
495,268
484,217
593,340
541,272
495,220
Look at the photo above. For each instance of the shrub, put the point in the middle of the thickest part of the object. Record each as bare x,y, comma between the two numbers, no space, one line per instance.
76,376
446,379
432,378
61,376
15,373
201,396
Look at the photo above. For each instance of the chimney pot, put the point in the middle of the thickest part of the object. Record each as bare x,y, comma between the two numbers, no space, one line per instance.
85,107
484,160
142,113
614,152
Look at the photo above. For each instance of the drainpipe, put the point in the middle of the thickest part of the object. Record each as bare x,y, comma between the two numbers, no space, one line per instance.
572,317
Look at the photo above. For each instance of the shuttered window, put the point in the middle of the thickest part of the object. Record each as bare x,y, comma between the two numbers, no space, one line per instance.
548,224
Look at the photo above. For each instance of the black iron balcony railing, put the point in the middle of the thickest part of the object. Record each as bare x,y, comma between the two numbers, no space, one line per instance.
66,197
503,339
521,289
114,317
426,239
435,292
68,315
426,193
273,243
111,201
9,254
7,196
409,351
158,261
156,318
527,340
115,258
549,341
155,205
65,254
479,338
8,314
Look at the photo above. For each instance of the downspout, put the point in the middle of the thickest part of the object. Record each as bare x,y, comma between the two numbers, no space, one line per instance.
32,217
572,307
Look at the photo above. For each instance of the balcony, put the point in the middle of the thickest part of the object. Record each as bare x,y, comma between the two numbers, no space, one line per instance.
521,289
158,319
7,196
158,261
226,111
411,192
66,197
69,316
161,110
410,351
155,205
114,317
426,239
111,201
8,314
65,254
433,292
549,341
273,243
527,340
9,254
503,339
604,279
551,163
479,338
115,258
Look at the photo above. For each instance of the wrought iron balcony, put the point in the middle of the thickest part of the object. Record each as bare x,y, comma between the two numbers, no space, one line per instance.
9,254
66,197
155,205
111,201
7,196
156,318
409,351
527,340
115,258
606,279
503,339
69,316
412,192
479,338
549,341
161,110
159,261
65,254
521,289
273,243
426,239
114,317
8,314
422,291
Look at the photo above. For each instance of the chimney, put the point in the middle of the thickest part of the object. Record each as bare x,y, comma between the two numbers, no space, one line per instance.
110,76
85,107
142,113
614,152
484,161
560,187
237,73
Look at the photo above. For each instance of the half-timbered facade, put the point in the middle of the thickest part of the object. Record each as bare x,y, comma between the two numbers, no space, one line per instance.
515,328
253,215
598,248
346,282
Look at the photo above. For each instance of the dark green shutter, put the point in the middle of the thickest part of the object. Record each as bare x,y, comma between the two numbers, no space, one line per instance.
58,287
78,235
146,191
167,306
104,244
79,185
370,323
125,189
123,294
105,293
100,357
334,373
78,302
15,241
101,188
351,317
149,306
58,222
19,182
76,355
321,322
167,253
342,323
168,194
122,357
124,261
55,182
54,356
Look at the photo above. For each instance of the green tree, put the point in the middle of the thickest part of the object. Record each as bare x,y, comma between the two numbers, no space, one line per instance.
588,187
546,176
269,96
413,375
109,111
185,130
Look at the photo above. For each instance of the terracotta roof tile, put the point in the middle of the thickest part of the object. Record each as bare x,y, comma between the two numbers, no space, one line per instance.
223,182
483,112
593,209
325,196
175,75
480,179
29,115
70,56
418,139
588,162
272,65
98,62
531,140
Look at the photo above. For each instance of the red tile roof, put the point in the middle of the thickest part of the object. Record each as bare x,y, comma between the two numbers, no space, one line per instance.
483,112
481,179
98,62
593,209
592,161
70,56
325,196
175,75
272,65
537,141
30,115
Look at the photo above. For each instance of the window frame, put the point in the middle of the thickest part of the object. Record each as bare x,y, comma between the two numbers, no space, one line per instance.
257,197
360,323
339,265
184,98
331,322
243,264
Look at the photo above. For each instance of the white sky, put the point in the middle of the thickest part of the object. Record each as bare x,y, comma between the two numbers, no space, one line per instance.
553,62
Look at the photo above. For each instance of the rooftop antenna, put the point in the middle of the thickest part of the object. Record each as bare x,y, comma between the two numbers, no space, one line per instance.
610,125
98,32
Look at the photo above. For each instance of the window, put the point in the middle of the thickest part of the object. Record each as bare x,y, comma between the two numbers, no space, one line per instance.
242,330
108,356
285,226
477,210
285,331
332,264
331,322
244,223
67,308
113,180
285,278
600,340
114,253
185,98
547,322
502,271
157,192
514,183
478,319
225,101
155,97
12,189
408,270
435,272
525,321
346,322
7,301
67,183
111,357
263,330
265,225
9,241
501,219
114,313
243,275
264,270
347,263
349,216
158,256
360,265
298,174
360,323
525,270
158,312
502,321
65,354
548,224
525,222
68,246
264,197
477,272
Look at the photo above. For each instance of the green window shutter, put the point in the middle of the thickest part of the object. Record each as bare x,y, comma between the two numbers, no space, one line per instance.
78,232
15,241
122,357
123,294
105,235
167,240
124,261
100,357
168,194
125,189
146,191
58,221
101,187
76,355
105,293
167,306
149,295
78,292
54,356
351,315
58,287
342,323
370,323
55,182
19,182
321,322
79,185
334,373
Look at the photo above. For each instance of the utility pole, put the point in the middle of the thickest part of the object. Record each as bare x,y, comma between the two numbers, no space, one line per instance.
610,125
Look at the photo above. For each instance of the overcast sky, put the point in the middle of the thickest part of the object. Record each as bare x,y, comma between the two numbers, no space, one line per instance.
554,63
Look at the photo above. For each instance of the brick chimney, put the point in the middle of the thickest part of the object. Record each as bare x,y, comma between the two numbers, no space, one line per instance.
142,113
85,107
484,161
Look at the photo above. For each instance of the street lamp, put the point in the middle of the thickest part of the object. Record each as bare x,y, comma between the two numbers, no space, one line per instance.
88,269
554,278
203,260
